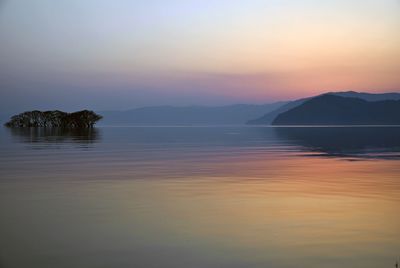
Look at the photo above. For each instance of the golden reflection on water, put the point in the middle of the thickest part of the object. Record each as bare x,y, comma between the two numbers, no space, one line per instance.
314,208
217,206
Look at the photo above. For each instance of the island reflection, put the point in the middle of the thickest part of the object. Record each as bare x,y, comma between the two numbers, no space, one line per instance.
44,135
342,142
357,142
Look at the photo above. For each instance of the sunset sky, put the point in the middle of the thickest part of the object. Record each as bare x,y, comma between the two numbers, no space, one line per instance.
121,54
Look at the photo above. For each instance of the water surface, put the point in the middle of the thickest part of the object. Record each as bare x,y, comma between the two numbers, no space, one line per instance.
200,197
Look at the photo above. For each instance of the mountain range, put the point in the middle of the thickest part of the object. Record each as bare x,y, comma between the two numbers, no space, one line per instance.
349,107
332,109
269,118
275,113
188,115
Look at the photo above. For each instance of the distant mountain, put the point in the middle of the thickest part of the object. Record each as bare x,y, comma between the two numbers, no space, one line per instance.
268,118
331,109
188,115
368,96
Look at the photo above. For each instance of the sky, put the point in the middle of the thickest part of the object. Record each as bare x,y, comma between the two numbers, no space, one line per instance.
121,54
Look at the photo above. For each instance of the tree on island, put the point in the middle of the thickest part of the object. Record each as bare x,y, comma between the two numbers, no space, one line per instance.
81,119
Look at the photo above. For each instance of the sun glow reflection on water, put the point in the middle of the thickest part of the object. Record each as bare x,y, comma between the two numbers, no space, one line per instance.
199,197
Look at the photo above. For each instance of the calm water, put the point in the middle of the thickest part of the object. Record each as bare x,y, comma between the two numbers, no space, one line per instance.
200,197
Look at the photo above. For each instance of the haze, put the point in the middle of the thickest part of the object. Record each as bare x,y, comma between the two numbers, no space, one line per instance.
123,54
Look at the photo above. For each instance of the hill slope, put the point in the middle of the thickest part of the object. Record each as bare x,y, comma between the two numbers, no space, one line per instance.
335,110
270,117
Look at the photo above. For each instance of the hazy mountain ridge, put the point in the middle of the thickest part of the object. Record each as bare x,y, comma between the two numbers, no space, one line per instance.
263,114
187,115
368,96
268,118
330,109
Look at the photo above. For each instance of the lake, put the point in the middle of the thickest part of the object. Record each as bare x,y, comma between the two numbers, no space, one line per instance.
204,196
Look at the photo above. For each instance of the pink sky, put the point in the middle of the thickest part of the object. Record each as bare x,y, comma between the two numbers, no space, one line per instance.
122,54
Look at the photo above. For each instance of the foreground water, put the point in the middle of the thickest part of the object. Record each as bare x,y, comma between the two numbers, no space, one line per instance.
200,197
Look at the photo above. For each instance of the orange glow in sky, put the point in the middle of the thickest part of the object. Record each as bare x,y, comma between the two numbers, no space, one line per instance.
198,52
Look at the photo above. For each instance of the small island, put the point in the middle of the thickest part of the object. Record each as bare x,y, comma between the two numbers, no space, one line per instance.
80,119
